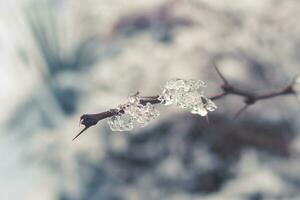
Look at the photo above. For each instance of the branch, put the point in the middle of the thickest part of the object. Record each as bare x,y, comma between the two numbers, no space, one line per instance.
89,120
250,98
241,111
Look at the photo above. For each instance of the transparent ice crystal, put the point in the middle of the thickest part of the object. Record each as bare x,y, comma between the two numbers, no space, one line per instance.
203,106
186,85
142,114
187,94
123,122
150,113
175,90
134,113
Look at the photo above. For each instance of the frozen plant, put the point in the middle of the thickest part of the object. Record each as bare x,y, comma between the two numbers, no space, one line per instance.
186,94
182,93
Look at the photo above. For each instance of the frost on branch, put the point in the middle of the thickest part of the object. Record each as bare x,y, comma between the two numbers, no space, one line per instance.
187,94
133,113
122,122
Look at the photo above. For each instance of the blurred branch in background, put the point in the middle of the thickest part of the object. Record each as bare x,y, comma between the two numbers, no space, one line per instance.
57,53
160,21
61,60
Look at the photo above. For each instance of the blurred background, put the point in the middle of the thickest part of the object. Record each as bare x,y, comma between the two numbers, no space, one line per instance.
62,58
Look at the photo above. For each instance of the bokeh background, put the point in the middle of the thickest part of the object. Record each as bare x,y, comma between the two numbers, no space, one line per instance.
62,58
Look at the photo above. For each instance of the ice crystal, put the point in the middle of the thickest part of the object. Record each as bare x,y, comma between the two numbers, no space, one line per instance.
134,113
187,94
123,122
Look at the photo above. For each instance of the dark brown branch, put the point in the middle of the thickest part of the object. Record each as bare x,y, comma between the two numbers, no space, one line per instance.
241,111
219,96
150,99
89,120
251,98
286,91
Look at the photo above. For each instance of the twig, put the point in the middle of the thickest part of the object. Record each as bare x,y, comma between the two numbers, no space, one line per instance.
241,111
251,98
89,120
218,96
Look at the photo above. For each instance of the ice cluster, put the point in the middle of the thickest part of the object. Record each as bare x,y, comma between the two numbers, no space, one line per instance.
133,113
187,94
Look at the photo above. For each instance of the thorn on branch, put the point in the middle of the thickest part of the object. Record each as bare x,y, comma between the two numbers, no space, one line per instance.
225,82
241,111
84,129
87,121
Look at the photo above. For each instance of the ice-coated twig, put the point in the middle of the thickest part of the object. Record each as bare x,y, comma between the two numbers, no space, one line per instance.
89,120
